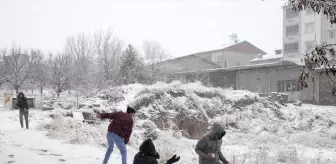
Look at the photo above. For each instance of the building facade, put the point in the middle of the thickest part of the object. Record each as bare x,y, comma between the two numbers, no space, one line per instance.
302,29
238,54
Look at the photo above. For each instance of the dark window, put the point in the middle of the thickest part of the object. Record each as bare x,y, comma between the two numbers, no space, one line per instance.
291,47
292,30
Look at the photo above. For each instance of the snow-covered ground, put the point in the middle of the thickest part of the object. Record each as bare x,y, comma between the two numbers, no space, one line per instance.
259,131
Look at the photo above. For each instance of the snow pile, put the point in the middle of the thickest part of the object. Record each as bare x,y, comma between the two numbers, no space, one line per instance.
173,114
75,132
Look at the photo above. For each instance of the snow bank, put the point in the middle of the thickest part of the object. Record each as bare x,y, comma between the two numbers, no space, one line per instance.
75,132
174,114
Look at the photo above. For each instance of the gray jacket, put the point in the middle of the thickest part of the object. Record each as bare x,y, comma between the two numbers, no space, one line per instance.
211,143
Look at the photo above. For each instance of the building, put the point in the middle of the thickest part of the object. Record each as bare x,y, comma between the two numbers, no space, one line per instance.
237,54
268,58
281,76
182,64
303,29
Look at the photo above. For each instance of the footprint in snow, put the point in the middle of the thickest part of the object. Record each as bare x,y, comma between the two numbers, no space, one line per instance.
11,156
43,150
62,160
10,161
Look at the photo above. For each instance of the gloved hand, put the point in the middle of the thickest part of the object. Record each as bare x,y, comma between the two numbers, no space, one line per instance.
226,162
173,160
157,156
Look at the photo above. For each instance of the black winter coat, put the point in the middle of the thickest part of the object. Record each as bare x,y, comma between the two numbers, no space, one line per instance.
22,102
147,154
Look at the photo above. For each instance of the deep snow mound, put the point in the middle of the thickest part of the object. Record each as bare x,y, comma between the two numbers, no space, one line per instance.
186,107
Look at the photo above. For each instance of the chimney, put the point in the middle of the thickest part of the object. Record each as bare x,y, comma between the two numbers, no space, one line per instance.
278,52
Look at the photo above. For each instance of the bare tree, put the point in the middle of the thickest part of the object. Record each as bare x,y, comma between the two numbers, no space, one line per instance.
18,66
154,54
80,48
61,73
322,56
108,47
41,70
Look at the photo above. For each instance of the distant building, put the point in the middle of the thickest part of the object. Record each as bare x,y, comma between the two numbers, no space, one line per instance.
237,54
268,58
301,29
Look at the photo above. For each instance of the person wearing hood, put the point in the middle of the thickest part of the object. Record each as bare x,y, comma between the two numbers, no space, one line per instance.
209,146
23,106
119,132
148,154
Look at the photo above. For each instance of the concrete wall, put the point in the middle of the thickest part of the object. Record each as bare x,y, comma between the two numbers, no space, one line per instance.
291,73
265,80
223,79
324,88
231,58
255,80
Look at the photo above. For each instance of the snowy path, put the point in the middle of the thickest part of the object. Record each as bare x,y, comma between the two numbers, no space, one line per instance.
21,146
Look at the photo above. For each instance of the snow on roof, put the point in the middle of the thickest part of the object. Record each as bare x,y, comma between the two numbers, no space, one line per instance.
268,57
234,68
297,61
216,47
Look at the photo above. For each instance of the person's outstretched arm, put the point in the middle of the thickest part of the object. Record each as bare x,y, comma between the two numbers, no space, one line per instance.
107,115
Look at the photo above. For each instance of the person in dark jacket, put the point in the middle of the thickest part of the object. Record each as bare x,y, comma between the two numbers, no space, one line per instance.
23,106
148,154
209,146
119,132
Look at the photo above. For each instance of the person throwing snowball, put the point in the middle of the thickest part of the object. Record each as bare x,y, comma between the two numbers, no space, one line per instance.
119,132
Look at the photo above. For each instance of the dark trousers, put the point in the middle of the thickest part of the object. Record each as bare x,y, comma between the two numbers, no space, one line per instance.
24,114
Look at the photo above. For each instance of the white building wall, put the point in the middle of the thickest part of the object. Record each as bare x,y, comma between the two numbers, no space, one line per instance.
320,35
292,38
327,26
314,37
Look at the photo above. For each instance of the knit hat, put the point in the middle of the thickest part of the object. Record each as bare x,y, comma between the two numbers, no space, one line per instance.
130,110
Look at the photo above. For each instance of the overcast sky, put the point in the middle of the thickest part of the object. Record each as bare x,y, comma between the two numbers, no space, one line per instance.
181,26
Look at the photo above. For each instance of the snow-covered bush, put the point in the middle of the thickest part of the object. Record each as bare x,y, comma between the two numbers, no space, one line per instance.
74,132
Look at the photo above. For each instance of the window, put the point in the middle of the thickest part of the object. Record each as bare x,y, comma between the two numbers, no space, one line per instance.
292,30
331,34
281,86
288,86
290,13
217,57
309,28
291,47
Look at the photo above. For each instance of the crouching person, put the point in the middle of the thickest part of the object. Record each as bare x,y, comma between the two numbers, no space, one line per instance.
209,146
148,154
119,132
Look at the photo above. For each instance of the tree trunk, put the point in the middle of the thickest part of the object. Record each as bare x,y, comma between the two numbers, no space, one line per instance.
41,89
17,89
58,94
